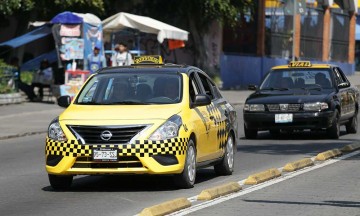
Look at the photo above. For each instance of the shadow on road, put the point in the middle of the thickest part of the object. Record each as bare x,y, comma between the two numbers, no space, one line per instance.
130,183
299,143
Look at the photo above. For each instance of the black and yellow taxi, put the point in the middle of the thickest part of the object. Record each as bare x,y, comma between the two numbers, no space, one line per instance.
301,96
147,118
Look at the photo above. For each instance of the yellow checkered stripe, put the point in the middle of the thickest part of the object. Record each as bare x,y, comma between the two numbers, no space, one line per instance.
141,148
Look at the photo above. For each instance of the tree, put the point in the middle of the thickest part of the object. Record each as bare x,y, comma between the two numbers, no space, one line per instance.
48,9
197,16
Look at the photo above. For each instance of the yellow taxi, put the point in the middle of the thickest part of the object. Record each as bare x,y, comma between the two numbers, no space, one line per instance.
147,118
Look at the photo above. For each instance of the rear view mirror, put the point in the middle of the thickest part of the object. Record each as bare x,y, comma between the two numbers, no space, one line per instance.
64,101
252,87
202,100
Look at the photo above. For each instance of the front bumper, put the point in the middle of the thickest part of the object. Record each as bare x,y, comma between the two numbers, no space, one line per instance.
140,157
301,120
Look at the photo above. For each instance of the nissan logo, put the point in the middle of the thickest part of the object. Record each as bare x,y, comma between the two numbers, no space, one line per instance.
106,135
284,107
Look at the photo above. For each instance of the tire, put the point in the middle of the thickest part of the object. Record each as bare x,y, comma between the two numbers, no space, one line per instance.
274,132
352,126
334,131
60,183
250,133
186,179
226,166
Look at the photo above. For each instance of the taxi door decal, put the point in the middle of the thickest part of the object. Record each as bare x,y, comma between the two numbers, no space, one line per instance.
220,123
204,120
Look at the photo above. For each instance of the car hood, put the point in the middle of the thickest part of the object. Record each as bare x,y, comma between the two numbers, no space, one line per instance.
289,96
120,112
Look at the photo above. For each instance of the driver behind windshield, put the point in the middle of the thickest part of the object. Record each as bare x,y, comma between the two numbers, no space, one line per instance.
120,92
171,89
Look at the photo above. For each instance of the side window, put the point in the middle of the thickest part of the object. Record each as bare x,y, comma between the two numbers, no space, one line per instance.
343,77
338,76
215,90
206,85
193,87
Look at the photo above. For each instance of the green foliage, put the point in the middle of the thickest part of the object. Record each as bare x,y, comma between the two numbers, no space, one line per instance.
48,9
4,71
8,7
26,77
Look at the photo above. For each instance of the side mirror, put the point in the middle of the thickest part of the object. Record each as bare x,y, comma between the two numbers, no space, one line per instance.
202,100
64,101
343,85
252,87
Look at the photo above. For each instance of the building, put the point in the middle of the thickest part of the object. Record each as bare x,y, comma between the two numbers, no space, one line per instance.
324,33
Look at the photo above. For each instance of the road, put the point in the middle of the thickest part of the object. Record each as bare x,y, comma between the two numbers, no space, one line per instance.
24,188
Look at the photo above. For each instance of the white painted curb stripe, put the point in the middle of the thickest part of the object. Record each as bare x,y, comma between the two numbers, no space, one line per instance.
259,186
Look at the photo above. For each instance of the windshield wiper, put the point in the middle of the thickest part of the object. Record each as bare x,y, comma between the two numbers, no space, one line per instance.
277,89
312,88
89,103
126,103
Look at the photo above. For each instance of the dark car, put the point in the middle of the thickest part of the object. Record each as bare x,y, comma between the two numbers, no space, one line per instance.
302,96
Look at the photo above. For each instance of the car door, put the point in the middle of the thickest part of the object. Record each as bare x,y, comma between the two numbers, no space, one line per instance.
200,119
346,93
213,148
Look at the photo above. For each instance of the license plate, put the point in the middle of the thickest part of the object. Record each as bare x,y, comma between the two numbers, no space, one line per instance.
283,118
105,155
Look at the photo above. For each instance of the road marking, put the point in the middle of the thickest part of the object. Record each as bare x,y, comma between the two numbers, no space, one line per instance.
259,186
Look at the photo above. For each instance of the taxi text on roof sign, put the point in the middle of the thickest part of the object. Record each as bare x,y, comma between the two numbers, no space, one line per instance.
152,59
300,64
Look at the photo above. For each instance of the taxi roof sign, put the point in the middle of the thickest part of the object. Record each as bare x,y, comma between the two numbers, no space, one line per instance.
149,59
300,64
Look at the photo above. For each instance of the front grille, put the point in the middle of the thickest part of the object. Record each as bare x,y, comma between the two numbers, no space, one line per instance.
276,108
91,134
124,162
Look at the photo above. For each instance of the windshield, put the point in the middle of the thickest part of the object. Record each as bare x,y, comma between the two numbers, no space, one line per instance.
286,79
131,89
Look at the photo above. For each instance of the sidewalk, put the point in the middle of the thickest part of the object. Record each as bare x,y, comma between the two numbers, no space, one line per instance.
32,118
26,118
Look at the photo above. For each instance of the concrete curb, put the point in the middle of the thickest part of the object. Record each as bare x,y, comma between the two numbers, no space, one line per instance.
293,166
262,176
218,191
351,147
328,154
166,207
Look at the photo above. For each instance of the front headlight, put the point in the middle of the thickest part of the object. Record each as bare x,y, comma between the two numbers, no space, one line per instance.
318,106
55,132
254,107
168,130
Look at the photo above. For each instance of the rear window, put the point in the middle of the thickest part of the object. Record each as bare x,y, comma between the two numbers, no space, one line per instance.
132,89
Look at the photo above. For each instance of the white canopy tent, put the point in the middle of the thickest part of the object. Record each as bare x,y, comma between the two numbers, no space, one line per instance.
144,24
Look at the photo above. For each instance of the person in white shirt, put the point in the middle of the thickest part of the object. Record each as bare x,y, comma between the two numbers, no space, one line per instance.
122,56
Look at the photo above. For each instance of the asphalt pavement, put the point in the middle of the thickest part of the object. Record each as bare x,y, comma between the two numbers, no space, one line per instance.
330,191
24,187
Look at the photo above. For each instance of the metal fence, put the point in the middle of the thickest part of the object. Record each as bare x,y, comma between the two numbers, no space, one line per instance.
278,33
340,23
311,36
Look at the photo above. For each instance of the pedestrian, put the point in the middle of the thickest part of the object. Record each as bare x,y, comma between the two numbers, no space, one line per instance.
43,78
95,61
122,56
